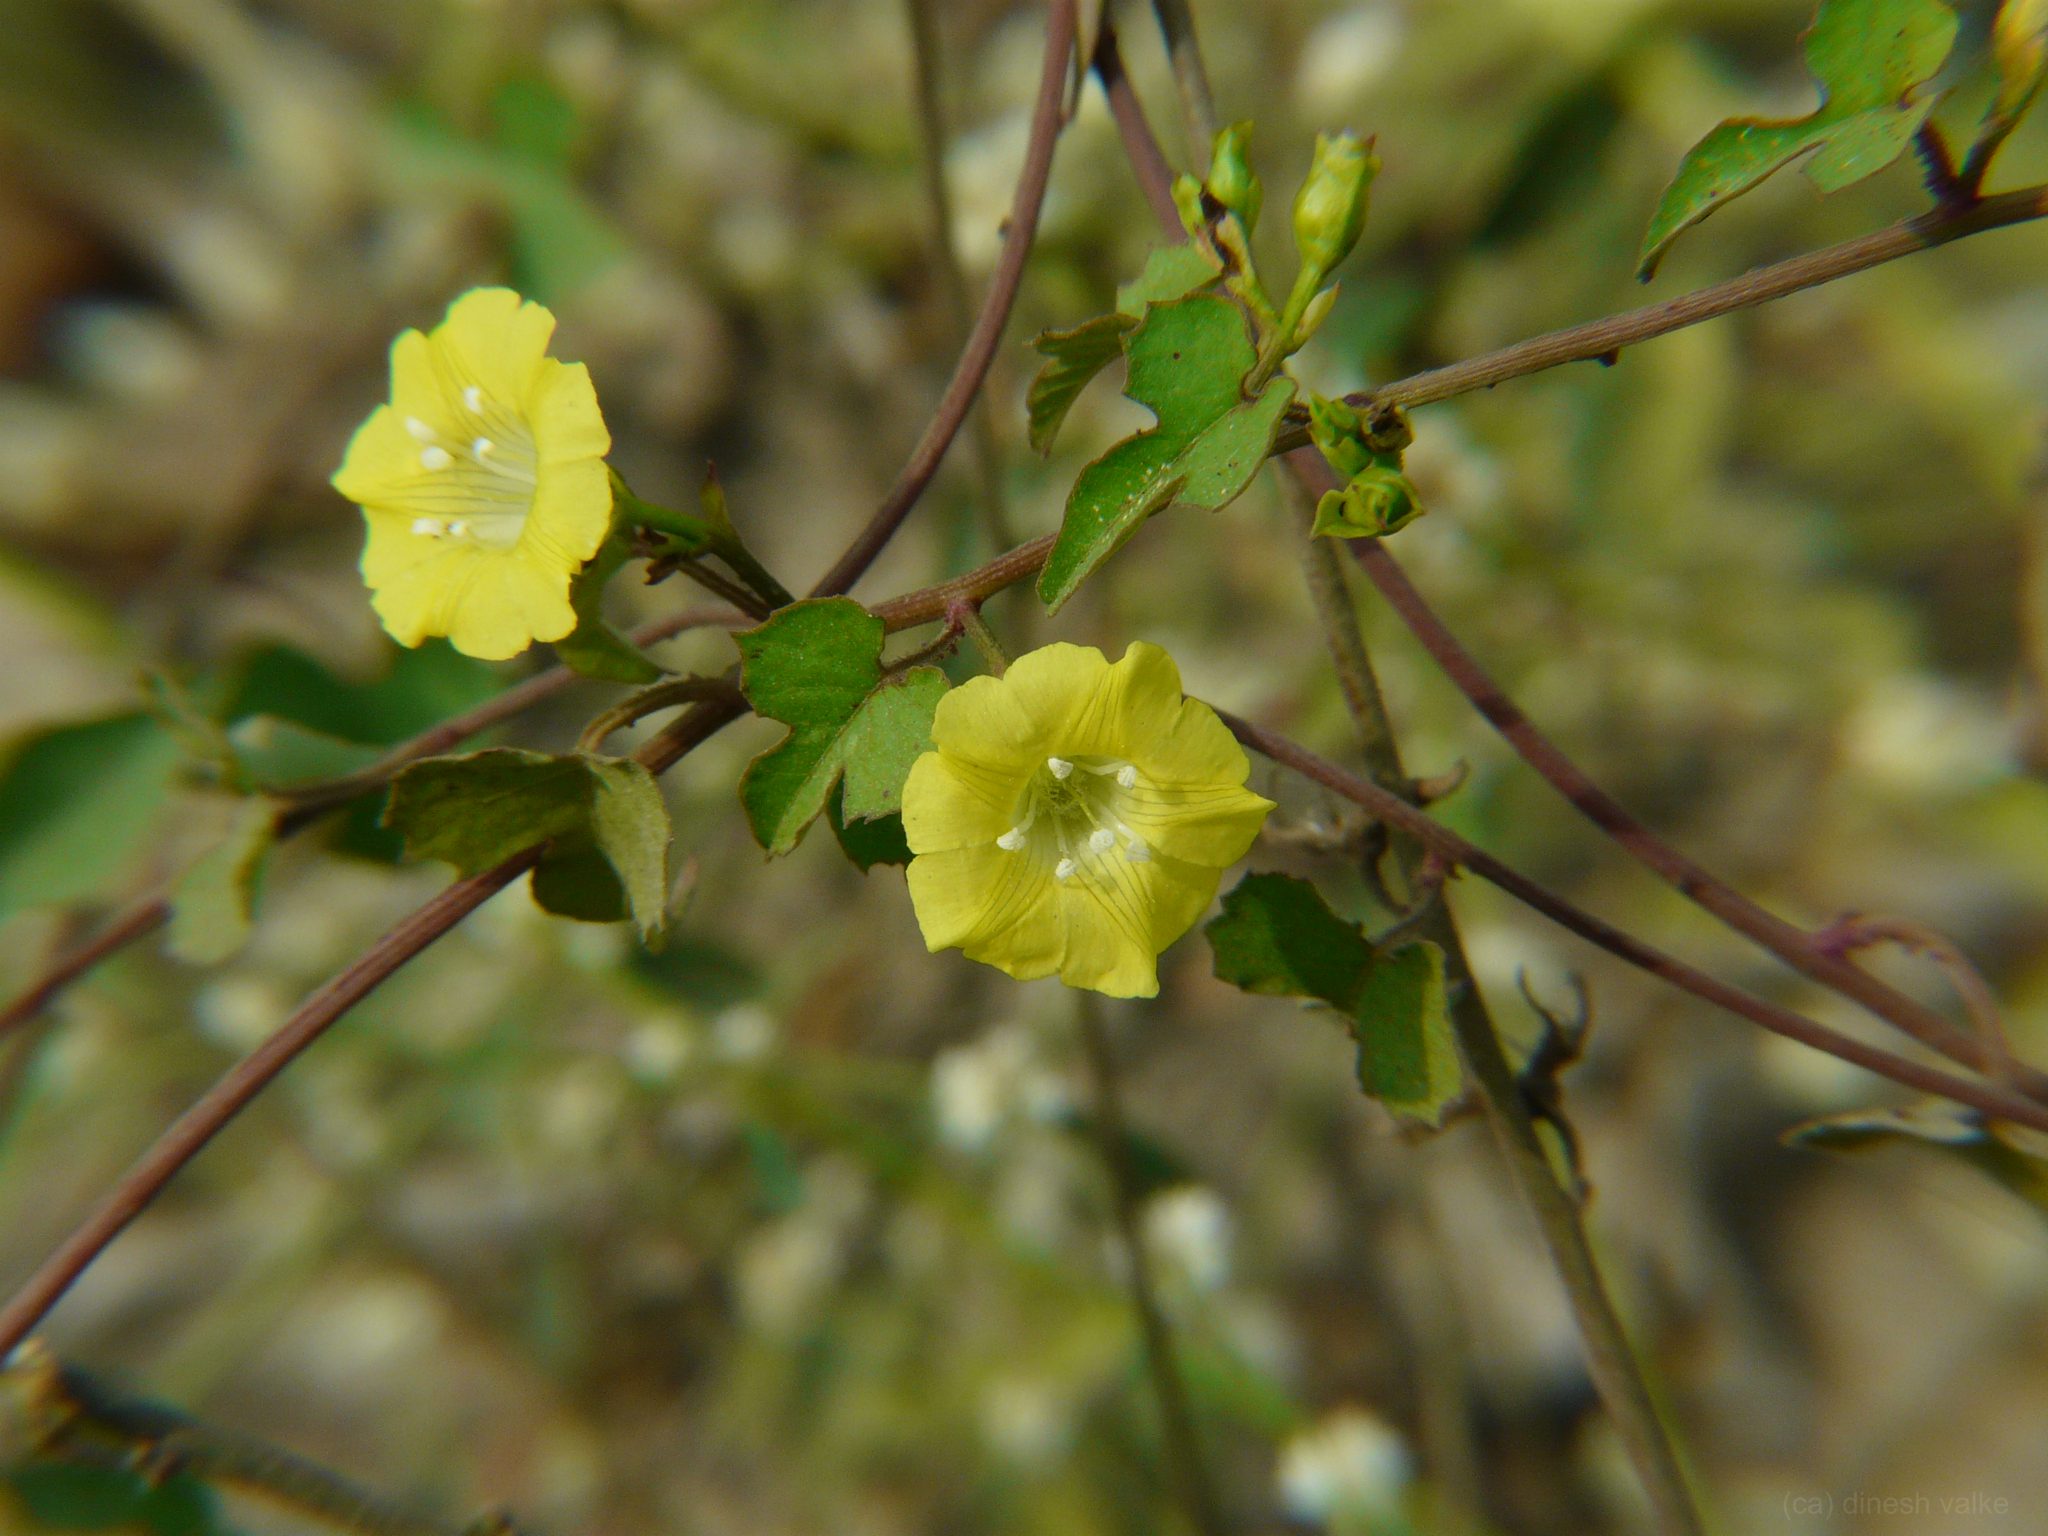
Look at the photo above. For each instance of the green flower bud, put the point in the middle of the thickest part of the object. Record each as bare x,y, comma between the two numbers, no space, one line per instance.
1336,430
1329,211
1379,501
1232,181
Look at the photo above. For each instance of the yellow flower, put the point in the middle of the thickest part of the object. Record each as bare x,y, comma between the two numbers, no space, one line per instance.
483,481
1075,817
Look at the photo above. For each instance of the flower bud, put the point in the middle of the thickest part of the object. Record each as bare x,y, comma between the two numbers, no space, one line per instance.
2019,42
1379,500
1232,181
1329,211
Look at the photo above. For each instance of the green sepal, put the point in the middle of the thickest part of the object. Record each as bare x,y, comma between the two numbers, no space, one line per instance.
1378,498
593,648
1279,938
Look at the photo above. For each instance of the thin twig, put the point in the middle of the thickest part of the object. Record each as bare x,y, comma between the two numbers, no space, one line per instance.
1603,339
1616,1373
932,603
1786,940
650,700
931,113
1846,935
981,345
1454,850
1155,176
225,1099
1191,78
1188,1467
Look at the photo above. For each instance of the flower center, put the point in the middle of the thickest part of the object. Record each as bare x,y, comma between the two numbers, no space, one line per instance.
1071,815
478,489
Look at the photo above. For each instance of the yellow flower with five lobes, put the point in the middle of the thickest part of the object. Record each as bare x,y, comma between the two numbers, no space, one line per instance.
483,481
1075,817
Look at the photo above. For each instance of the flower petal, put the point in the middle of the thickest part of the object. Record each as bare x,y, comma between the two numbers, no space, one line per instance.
495,340
562,409
382,457
1135,704
1118,916
572,512
1209,824
982,721
951,803
393,548
508,603
998,907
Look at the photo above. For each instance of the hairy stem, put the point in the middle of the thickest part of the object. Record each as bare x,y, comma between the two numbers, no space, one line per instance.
1185,1462
1610,1361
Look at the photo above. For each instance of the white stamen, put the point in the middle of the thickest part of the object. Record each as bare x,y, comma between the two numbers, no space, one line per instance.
1011,840
419,429
1127,776
1060,767
1102,839
482,446
1064,870
435,458
427,527
1138,853
459,529
473,398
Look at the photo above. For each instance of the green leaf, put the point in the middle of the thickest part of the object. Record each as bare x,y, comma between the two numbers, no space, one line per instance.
1187,358
213,906
62,1496
1170,272
868,843
74,805
1277,937
591,649
2015,1157
1867,55
422,687
477,811
816,667
1072,359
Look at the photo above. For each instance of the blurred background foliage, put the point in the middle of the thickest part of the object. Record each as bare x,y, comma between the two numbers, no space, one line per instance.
792,1227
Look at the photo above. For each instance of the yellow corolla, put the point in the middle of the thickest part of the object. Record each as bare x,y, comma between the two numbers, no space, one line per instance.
1075,817
483,481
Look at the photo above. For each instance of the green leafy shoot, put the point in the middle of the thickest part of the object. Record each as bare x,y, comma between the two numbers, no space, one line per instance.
213,906
1277,937
1170,272
1187,358
1868,56
816,666
597,813
1072,359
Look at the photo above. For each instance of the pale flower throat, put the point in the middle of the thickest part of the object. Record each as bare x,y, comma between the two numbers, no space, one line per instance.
479,490
1070,816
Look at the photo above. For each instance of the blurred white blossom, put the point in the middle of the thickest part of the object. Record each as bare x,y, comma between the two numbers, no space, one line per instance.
1351,1464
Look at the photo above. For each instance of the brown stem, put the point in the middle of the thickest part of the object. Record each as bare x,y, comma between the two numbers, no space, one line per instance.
929,604
988,326
1155,176
225,1099
1189,1469
1453,849
649,700
1786,940
1604,338
1191,77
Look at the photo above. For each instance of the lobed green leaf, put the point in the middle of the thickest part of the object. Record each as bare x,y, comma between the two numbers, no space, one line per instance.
75,804
1278,937
1072,359
1187,359
1867,56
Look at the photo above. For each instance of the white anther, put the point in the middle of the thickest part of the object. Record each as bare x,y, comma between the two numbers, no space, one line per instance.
1011,840
459,528
473,398
435,458
1064,870
1127,776
482,446
427,527
1060,767
419,429
1102,839
1138,853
